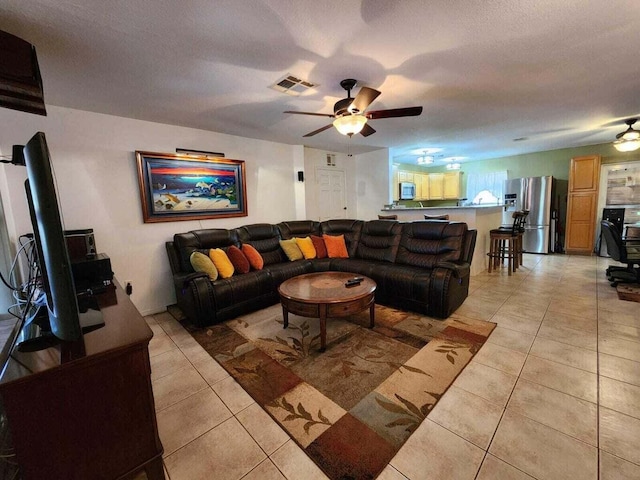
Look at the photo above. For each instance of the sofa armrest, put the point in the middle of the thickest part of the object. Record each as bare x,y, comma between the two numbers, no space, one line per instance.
194,293
459,269
449,288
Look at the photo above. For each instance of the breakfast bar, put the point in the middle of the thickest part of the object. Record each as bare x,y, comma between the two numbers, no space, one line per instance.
479,217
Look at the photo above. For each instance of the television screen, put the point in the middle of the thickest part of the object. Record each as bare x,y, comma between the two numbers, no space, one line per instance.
53,257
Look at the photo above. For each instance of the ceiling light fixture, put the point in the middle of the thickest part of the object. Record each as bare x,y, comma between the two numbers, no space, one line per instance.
453,166
425,159
629,140
350,124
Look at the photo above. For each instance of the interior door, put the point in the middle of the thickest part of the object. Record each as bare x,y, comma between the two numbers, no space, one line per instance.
332,196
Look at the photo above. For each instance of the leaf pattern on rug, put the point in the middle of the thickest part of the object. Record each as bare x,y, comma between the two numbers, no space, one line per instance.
299,347
299,413
360,351
450,350
411,416
242,323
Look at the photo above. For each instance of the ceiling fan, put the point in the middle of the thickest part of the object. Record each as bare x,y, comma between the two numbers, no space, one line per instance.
349,113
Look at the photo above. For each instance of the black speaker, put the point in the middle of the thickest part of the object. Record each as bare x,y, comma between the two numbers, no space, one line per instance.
81,244
300,176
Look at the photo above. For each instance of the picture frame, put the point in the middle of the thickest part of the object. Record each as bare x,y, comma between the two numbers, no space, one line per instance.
176,187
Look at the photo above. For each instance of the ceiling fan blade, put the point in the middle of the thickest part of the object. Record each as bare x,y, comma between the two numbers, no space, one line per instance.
364,98
326,127
311,113
394,112
367,130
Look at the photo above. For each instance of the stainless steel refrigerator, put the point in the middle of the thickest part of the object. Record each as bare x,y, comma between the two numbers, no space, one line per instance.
533,194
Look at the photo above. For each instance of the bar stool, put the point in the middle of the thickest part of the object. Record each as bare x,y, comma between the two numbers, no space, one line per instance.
506,242
387,217
436,217
518,227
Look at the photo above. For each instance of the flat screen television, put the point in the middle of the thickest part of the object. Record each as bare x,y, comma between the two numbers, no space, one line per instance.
66,321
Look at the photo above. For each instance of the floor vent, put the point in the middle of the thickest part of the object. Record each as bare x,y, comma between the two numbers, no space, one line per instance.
292,85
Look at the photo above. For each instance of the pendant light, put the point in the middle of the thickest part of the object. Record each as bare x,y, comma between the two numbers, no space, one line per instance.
629,140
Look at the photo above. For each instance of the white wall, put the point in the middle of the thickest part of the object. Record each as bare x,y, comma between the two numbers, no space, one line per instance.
373,173
95,169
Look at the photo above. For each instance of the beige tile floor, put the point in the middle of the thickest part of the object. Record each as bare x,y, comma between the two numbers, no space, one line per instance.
553,394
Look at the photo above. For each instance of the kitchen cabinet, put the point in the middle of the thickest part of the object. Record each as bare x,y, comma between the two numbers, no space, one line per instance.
405,176
584,176
430,186
436,186
395,194
424,181
451,187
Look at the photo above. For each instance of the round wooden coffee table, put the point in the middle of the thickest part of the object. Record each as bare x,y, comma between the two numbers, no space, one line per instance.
324,294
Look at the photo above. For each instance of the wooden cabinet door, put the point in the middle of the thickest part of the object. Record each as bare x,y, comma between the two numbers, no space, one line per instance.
404,176
451,188
436,186
417,179
395,195
425,186
584,174
581,214
584,177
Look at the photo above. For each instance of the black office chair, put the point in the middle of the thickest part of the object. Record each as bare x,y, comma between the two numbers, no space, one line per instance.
621,252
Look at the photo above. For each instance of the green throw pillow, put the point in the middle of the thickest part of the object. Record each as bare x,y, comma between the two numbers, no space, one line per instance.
291,249
202,263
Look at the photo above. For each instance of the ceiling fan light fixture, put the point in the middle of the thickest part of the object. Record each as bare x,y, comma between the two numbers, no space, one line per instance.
629,140
626,145
350,124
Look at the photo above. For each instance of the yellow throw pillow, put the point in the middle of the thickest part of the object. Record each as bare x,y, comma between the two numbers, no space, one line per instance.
222,262
306,247
201,263
336,247
291,249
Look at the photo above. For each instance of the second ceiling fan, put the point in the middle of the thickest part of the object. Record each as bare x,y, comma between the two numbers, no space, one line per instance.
349,113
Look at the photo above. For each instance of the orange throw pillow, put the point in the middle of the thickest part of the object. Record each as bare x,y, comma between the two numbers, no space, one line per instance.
238,260
336,247
318,244
255,259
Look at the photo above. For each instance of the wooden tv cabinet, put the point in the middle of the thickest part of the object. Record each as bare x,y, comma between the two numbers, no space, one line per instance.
92,417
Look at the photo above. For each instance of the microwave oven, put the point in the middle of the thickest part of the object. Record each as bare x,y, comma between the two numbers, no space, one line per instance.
407,191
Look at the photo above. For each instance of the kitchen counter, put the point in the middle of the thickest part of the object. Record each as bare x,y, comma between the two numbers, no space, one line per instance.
466,207
482,218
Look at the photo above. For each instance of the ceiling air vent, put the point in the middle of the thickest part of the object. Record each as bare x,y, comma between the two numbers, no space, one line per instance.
292,85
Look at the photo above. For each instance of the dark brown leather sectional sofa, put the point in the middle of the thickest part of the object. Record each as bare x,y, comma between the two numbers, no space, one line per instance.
419,266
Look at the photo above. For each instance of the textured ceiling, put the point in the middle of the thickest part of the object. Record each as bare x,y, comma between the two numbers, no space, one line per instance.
556,73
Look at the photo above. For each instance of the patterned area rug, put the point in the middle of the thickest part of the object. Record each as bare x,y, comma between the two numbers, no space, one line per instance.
629,292
352,407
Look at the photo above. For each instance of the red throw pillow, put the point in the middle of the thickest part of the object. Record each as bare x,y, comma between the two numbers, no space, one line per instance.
318,244
238,260
336,247
255,259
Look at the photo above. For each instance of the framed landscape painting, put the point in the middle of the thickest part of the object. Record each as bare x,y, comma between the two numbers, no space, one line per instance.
185,187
